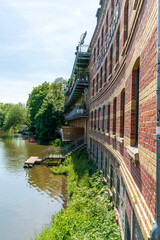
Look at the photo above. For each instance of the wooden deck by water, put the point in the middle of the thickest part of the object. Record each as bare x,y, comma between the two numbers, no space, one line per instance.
35,160
31,161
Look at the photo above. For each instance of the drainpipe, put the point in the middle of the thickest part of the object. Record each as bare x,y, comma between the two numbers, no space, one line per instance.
155,235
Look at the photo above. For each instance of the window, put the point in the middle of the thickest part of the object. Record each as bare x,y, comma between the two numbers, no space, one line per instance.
126,14
111,60
102,164
118,193
94,56
101,77
108,120
111,176
107,24
92,120
127,228
106,169
93,87
102,37
97,82
90,146
135,108
95,113
117,45
112,7
103,123
137,105
99,119
114,115
98,46
106,70
97,155
122,113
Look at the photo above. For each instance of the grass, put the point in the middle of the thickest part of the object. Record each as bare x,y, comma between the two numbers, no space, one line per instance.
90,213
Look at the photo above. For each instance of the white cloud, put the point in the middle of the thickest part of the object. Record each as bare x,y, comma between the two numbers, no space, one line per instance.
39,38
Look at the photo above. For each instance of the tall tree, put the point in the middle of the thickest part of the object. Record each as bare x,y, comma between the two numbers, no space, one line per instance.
35,102
49,113
15,117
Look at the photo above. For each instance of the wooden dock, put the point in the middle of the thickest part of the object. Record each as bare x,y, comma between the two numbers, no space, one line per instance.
31,161
35,160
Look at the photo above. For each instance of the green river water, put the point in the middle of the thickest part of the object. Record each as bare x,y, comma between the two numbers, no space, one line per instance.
28,197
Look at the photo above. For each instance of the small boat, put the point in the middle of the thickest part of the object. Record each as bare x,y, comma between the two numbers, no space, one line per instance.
31,140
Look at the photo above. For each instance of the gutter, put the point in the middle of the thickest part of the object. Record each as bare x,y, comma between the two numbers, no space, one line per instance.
155,235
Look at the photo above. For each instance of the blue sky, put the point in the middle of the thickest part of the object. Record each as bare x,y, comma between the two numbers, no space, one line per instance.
38,39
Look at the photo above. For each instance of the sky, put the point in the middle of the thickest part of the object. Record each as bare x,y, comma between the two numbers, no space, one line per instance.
38,40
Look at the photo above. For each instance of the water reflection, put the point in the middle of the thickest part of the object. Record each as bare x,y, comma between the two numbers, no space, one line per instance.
28,196
40,178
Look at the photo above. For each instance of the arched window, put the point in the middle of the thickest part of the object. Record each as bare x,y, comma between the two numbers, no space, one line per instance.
111,60
117,44
114,115
122,116
106,70
135,98
108,119
126,15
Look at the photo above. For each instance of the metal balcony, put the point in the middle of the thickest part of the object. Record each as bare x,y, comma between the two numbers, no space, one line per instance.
81,61
81,82
77,113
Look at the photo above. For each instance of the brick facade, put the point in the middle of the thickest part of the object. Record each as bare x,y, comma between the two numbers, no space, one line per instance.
123,80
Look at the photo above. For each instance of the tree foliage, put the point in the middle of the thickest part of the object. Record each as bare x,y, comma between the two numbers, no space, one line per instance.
45,108
12,116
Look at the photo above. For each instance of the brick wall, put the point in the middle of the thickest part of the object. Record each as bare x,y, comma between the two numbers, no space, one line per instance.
139,50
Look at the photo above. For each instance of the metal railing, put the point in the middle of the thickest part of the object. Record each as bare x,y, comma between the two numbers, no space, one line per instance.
81,79
76,112
74,146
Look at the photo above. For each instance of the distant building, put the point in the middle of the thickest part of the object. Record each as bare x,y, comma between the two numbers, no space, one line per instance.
123,109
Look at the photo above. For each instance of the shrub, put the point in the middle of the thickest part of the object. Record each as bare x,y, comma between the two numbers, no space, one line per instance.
89,214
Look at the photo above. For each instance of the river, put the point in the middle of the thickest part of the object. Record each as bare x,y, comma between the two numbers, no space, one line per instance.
28,197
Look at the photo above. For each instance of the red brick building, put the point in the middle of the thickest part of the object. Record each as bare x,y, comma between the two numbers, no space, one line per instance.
123,109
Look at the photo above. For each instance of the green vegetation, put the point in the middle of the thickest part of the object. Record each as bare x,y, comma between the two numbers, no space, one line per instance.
89,214
45,108
58,143
12,116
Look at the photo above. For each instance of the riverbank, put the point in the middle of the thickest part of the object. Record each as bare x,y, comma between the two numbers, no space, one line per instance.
90,213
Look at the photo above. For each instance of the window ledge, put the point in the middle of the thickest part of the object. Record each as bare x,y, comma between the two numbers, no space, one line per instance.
113,136
102,132
104,84
124,48
110,76
120,140
107,134
133,154
117,64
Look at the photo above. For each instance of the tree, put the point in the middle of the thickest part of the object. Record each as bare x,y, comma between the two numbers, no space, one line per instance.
15,117
48,116
35,102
